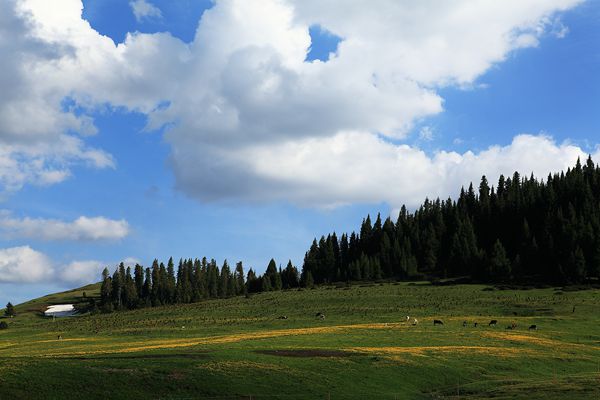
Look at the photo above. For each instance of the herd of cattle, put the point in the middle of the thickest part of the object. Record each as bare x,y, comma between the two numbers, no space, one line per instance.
414,322
492,323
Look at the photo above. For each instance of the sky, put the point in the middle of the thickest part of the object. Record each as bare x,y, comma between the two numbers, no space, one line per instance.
134,130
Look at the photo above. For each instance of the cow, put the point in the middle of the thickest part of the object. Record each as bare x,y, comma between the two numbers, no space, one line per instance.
407,318
59,337
493,322
282,317
437,322
533,328
415,322
464,324
475,325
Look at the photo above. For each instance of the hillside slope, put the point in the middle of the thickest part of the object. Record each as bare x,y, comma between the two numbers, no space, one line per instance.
239,347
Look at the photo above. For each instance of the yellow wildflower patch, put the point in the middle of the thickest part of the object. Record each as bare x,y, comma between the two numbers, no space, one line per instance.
529,339
426,350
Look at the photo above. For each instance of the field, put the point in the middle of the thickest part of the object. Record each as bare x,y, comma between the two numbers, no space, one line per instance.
238,348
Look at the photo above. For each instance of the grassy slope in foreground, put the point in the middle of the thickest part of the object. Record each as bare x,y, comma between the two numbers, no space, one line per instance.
237,347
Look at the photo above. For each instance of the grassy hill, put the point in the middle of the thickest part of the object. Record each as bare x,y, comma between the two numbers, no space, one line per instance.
236,348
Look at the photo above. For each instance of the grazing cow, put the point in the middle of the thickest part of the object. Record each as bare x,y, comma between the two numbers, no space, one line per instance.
318,314
282,317
59,337
415,322
437,322
533,328
475,325
464,324
493,322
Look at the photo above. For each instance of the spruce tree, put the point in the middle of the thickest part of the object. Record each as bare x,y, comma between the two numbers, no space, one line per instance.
500,266
9,311
106,289
224,281
239,279
271,273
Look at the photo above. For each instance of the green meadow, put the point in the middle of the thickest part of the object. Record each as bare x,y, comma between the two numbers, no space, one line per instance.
240,348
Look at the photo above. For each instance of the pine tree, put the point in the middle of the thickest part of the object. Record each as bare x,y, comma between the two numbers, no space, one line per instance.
271,273
106,289
139,279
500,266
224,280
253,284
156,285
146,290
170,285
266,284
239,279
289,276
9,311
278,282
307,279
213,279
578,266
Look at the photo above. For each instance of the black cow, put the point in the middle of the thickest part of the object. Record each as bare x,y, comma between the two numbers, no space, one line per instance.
493,322
533,328
437,322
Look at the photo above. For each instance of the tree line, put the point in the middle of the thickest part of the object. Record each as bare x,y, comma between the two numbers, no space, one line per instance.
521,229
194,280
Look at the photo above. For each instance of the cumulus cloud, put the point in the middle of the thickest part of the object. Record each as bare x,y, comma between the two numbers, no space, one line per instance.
85,272
144,10
24,265
37,140
240,97
82,228
81,272
359,167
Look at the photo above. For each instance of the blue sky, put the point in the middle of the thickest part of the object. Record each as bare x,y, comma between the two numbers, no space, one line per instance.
356,136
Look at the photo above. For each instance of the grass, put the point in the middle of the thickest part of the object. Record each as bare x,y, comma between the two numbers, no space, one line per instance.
236,348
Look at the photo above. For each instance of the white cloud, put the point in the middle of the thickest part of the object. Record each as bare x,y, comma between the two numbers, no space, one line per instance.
354,167
240,96
144,10
82,228
37,143
426,133
81,272
85,272
24,265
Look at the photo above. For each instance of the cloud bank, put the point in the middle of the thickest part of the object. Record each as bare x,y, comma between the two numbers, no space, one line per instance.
247,118
82,228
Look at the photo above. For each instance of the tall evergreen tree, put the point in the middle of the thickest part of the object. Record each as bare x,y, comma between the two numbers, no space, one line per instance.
9,311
